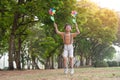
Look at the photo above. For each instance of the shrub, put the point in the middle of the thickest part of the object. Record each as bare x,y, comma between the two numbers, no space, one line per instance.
119,63
101,64
109,63
113,63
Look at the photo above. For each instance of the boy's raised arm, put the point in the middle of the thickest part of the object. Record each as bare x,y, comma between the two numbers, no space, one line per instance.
77,31
56,28
76,26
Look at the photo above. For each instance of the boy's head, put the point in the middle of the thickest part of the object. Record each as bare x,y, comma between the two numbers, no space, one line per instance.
67,27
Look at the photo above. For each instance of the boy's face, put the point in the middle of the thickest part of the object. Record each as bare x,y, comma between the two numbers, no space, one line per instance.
68,28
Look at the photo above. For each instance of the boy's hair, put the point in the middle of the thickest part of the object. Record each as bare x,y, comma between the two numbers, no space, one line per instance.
67,25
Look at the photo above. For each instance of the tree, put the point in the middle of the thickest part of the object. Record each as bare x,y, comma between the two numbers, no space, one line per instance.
96,26
117,42
104,51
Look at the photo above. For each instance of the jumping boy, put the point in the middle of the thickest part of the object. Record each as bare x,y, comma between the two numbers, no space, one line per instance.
67,37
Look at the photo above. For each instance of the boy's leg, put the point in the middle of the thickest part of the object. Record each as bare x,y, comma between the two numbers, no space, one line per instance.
71,58
71,62
65,54
71,65
65,61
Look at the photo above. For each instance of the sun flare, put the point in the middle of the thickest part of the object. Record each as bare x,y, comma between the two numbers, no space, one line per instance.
111,4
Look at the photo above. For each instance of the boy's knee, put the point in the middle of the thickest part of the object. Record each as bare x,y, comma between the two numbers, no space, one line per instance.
64,58
71,58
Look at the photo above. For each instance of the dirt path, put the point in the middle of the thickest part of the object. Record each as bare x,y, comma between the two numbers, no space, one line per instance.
57,74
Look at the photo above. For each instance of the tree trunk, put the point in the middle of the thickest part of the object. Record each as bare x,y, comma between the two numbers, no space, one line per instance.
60,58
81,59
34,64
22,57
47,65
19,50
28,63
60,61
12,41
52,67
87,61
18,54
11,51
23,53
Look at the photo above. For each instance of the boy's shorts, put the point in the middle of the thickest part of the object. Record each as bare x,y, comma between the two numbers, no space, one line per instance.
68,50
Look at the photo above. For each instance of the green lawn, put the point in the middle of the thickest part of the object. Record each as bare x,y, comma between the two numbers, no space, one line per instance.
57,74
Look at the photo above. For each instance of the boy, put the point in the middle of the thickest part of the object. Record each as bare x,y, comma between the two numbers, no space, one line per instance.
68,45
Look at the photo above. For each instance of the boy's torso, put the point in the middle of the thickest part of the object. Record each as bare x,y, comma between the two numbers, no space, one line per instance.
67,38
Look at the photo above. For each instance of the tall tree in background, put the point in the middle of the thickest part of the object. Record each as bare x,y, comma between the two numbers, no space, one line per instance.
117,42
96,26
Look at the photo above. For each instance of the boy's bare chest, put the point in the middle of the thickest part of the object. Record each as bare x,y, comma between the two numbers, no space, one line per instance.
67,36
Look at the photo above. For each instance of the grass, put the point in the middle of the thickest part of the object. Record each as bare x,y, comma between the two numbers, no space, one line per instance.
112,73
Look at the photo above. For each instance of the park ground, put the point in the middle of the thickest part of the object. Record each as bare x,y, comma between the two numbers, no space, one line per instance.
112,73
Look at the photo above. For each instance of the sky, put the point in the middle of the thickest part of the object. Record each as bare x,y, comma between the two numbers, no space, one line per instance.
111,4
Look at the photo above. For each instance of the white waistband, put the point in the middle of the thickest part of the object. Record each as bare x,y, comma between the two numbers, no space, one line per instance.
67,44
